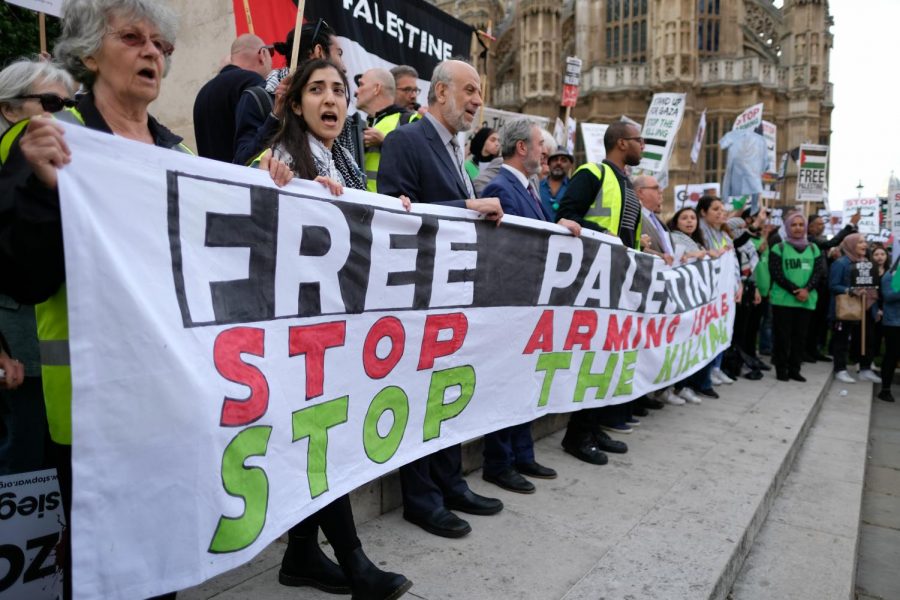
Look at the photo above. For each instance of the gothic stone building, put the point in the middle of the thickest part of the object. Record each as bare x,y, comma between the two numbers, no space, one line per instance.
725,55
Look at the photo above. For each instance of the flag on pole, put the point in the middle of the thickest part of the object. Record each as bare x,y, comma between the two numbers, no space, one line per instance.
698,139
813,158
782,170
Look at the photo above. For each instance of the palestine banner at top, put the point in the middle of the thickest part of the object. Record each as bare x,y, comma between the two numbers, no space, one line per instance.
812,175
660,129
242,354
382,33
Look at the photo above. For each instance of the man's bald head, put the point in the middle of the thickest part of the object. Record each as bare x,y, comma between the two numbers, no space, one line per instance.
375,90
250,52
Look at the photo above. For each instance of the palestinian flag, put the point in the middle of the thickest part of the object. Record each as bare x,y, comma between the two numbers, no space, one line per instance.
813,158
654,149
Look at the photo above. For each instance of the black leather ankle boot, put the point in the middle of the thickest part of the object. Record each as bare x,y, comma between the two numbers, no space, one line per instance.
368,582
304,563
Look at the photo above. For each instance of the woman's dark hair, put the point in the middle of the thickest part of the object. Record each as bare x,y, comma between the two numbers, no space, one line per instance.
292,136
705,203
697,236
476,146
314,34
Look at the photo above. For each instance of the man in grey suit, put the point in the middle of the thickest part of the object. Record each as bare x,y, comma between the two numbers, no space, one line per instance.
655,238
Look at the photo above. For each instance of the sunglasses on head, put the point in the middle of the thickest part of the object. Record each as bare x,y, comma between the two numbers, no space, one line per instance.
269,49
50,102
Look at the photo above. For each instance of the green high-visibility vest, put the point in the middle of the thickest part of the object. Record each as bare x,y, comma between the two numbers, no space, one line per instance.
798,269
373,155
606,210
52,318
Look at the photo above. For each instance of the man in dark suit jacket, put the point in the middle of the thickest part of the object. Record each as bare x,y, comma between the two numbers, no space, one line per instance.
423,161
509,453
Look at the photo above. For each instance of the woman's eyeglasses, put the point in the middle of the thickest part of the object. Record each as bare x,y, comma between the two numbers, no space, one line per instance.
50,102
136,39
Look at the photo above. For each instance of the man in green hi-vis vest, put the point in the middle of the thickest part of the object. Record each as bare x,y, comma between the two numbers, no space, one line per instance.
375,97
601,197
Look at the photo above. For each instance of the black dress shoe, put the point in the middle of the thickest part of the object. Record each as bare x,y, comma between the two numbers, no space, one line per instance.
640,411
797,377
509,479
754,375
607,444
648,402
440,522
368,582
783,377
709,393
809,358
885,394
585,450
472,503
534,469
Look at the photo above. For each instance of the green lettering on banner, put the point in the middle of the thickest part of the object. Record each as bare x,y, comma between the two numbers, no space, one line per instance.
314,423
587,379
550,362
436,411
626,377
250,483
717,333
665,372
381,449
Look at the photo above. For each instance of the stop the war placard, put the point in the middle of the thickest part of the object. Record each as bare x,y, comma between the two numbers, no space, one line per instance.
31,520
244,354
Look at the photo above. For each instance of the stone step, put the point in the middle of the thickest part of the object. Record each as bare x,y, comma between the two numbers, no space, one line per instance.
807,548
672,518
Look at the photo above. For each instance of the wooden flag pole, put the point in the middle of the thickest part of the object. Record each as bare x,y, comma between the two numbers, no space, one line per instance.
298,26
249,16
42,27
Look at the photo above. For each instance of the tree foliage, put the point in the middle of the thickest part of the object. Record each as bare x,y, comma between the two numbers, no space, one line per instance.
19,33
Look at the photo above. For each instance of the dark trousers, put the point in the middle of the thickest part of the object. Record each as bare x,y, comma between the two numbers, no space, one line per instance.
755,314
508,447
818,324
336,522
844,334
425,482
24,437
891,354
789,327
584,423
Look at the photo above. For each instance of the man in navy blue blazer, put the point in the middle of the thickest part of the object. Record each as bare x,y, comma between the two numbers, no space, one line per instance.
423,161
509,453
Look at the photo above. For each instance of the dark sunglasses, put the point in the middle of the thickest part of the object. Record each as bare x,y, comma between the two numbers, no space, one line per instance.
317,29
50,102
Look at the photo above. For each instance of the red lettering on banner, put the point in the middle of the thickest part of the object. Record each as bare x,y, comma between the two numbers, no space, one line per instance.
724,305
654,333
637,336
313,341
581,318
432,347
227,350
392,329
617,338
673,326
542,336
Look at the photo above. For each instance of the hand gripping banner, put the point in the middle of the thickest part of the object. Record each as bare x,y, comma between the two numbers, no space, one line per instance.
242,354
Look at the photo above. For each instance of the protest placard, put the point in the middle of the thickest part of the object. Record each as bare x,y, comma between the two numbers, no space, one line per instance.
592,135
689,195
243,354
812,174
660,129
496,119
868,208
48,7
770,132
31,520
751,118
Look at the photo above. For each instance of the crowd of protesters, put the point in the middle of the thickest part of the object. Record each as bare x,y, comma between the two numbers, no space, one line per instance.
793,285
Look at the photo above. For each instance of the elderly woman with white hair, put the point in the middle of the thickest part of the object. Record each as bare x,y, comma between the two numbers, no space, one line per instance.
27,88
119,51
31,87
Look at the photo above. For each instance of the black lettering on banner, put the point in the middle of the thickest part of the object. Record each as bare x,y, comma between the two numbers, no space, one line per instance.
226,271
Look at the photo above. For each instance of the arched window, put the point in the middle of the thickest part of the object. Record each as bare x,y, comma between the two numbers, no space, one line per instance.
626,31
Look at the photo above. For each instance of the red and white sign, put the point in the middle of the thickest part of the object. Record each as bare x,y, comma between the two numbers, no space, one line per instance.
569,95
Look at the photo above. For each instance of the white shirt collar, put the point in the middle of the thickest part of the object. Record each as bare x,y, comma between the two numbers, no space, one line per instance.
519,175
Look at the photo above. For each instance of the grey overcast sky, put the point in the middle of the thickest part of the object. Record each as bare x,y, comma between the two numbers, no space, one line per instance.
865,120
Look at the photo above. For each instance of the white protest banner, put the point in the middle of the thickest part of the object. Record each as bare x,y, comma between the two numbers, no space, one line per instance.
496,119
48,7
565,136
776,216
31,515
869,210
242,355
770,132
660,129
698,138
812,175
751,118
592,136
689,195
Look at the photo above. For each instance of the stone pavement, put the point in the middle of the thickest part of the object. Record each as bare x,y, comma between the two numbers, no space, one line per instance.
672,519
